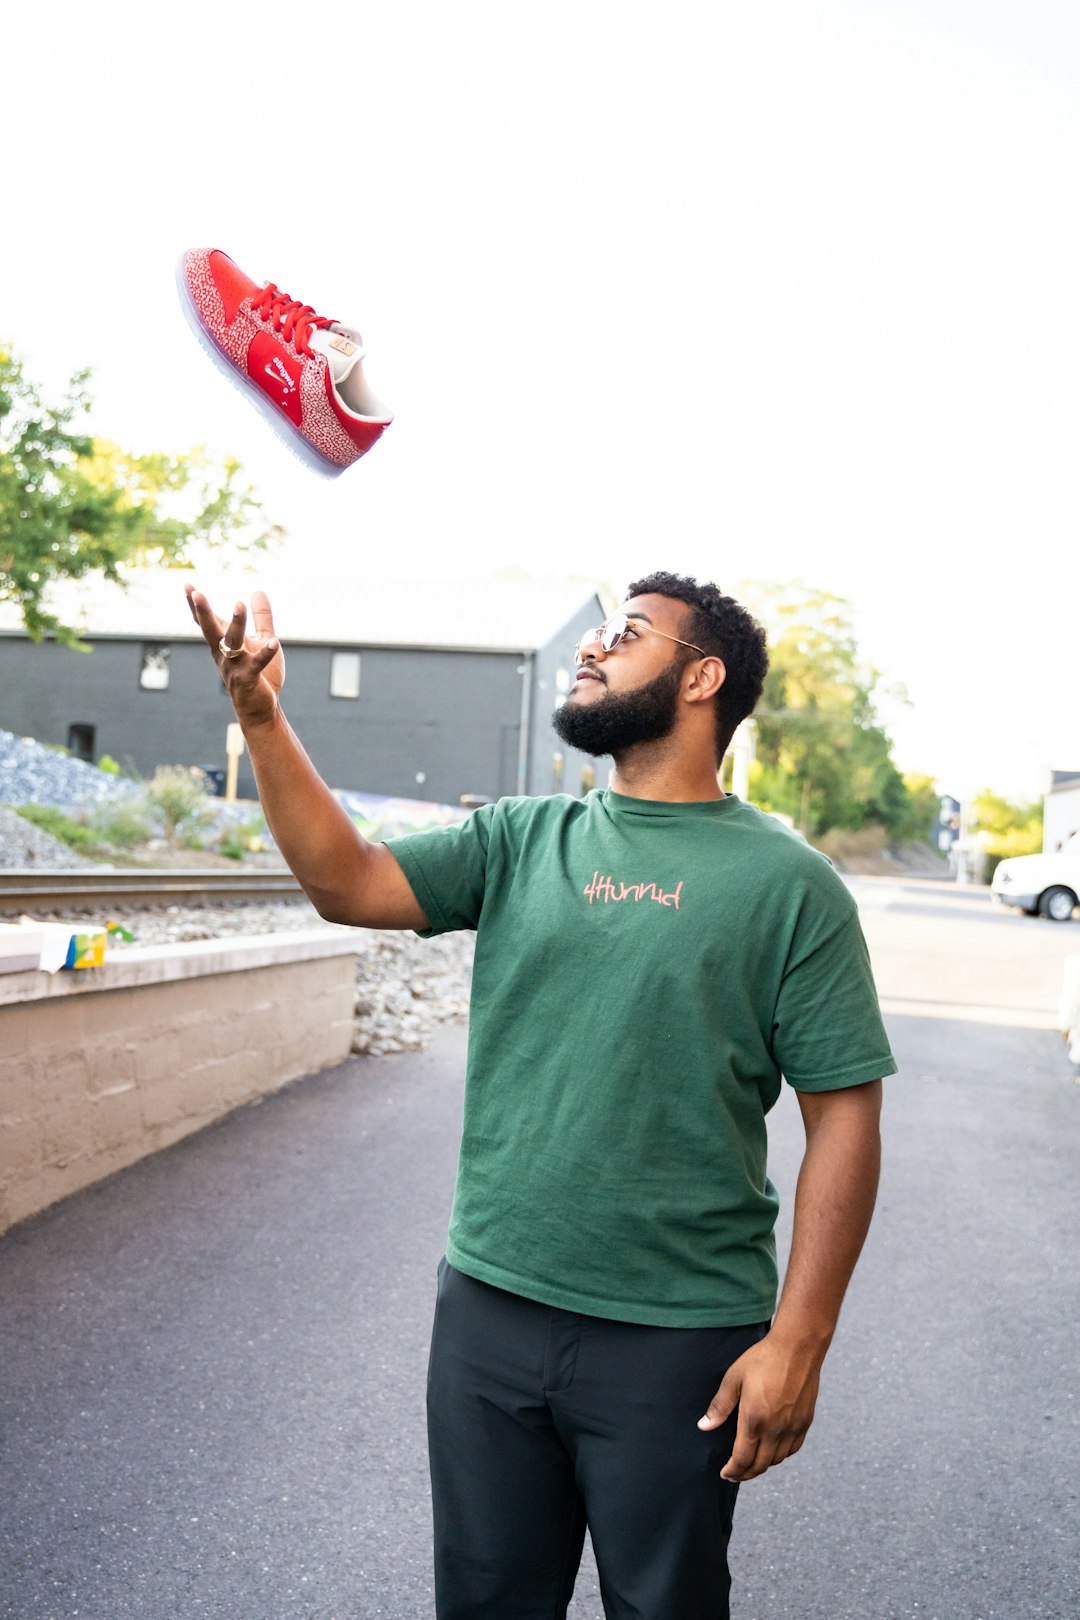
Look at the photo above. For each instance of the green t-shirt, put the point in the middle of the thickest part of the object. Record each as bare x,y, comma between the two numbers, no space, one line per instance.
645,972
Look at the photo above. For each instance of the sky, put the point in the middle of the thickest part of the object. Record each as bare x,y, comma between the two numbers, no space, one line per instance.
754,292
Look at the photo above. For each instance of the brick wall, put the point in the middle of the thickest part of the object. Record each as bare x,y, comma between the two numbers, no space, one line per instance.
100,1068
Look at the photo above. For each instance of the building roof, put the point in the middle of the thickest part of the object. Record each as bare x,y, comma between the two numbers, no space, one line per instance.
494,615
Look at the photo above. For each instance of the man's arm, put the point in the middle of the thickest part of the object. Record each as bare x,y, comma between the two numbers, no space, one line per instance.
347,879
776,1381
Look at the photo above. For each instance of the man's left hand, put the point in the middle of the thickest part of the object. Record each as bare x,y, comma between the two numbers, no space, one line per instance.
775,1386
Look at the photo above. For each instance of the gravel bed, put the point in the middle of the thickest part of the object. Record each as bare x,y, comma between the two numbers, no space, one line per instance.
405,987
31,774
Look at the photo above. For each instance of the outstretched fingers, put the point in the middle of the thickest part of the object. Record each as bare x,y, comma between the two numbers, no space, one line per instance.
220,635
242,660
233,639
261,616
212,627
231,633
255,658
258,657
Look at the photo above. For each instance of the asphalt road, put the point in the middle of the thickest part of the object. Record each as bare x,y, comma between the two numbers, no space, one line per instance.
212,1366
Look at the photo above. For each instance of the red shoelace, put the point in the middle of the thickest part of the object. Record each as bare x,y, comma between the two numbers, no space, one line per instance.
295,321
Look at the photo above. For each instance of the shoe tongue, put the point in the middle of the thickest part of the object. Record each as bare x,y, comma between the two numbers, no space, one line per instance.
342,348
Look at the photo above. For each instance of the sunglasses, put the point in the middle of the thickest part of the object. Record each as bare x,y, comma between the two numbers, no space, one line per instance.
610,634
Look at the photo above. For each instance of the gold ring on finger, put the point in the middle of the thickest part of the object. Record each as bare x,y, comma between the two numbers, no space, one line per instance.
230,652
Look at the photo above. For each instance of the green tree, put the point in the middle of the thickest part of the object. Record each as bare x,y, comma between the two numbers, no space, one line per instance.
823,757
923,807
71,504
1007,827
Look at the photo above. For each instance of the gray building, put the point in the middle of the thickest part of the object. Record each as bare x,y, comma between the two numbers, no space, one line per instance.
428,691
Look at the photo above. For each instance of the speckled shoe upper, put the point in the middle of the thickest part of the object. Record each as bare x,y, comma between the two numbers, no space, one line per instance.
304,371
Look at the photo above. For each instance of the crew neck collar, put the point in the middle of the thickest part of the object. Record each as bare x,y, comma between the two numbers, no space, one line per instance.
623,804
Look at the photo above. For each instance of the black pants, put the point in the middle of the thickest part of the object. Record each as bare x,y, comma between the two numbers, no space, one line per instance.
541,1421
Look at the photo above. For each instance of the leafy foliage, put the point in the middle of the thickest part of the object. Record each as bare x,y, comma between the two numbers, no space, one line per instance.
71,504
823,757
177,796
1007,827
920,819
119,825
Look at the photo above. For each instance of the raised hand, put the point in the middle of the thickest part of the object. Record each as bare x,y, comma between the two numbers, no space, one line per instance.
252,666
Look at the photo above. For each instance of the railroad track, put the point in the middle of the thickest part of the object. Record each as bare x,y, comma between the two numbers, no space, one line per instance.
38,889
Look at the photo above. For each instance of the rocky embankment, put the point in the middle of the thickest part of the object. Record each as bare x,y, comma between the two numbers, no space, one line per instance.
33,774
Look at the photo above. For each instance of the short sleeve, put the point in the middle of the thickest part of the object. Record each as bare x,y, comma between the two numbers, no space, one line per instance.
447,870
827,1028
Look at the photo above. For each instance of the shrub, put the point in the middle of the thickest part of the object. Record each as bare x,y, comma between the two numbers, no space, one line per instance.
123,824
246,838
107,764
177,795
58,825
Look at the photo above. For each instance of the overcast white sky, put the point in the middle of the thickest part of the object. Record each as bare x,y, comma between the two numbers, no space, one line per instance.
752,291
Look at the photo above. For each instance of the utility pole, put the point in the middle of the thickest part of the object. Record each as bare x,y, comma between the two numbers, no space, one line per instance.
234,747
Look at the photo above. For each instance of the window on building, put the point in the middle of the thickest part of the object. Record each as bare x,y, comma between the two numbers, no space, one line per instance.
154,669
345,674
80,742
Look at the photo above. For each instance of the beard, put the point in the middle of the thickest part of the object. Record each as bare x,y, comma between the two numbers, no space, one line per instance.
617,721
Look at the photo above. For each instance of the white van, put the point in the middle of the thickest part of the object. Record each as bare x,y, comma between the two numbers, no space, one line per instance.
1047,884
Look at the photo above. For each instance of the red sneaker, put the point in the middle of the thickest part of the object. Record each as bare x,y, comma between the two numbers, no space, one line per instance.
304,372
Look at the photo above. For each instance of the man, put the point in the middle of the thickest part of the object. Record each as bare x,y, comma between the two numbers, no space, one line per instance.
649,961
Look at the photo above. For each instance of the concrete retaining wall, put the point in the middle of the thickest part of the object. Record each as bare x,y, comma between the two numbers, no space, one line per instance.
100,1068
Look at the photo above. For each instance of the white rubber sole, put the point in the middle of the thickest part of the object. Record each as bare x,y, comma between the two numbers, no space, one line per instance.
289,435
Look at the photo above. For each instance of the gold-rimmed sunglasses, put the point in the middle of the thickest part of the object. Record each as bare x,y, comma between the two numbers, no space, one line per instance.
610,634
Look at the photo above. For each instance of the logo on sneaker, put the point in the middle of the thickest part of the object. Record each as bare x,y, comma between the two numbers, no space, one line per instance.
277,373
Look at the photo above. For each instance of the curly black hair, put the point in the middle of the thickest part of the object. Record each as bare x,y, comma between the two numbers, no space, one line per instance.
724,628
